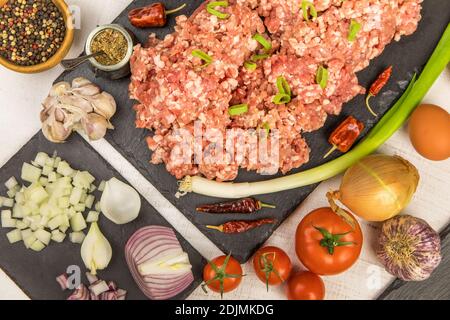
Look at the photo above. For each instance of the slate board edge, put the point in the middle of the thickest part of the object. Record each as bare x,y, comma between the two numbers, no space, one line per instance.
181,296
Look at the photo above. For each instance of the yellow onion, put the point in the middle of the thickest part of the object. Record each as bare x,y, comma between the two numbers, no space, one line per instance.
378,187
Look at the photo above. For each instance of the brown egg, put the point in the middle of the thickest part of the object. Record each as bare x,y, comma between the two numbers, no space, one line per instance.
429,131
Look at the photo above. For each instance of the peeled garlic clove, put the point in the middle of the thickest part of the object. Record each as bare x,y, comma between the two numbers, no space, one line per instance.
87,90
95,126
77,101
120,203
96,250
104,104
59,89
80,82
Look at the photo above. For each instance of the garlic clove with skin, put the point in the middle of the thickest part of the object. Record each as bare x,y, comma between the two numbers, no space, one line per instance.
78,102
96,250
55,132
59,89
80,82
104,104
94,126
87,90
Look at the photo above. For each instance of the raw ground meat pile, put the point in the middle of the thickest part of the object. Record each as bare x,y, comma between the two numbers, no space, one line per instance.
174,90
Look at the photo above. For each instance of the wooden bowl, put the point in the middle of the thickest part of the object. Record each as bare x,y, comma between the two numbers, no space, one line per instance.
58,56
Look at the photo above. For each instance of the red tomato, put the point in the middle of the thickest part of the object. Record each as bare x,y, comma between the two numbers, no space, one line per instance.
222,274
305,286
272,265
326,243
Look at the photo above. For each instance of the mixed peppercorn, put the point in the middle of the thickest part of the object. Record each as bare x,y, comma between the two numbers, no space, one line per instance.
31,31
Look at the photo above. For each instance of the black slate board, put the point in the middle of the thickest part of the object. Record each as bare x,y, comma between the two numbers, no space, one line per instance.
35,273
437,287
408,56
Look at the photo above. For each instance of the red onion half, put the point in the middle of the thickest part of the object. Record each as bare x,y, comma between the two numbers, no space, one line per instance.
148,244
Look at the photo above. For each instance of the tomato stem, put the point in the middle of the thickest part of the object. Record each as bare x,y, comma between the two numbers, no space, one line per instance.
330,241
221,275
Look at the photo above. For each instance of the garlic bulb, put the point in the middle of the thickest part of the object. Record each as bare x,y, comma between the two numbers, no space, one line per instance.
120,203
80,106
96,251
409,248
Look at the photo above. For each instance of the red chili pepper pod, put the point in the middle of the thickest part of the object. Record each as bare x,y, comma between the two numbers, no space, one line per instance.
345,135
376,87
153,15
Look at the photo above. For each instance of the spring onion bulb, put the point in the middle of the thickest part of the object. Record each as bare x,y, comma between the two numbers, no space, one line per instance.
385,128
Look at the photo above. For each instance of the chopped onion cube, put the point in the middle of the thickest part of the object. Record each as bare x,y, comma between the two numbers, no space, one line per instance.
83,179
91,278
43,236
75,196
7,221
77,237
22,224
1,201
92,188
14,236
92,216
41,158
63,202
28,241
11,183
26,233
12,192
101,187
77,222
63,228
30,173
58,236
89,201
64,169
20,198
8,202
99,287
56,162
17,211
79,207
98,207
6,214
50,162
55,222
47,170
52,176
37,246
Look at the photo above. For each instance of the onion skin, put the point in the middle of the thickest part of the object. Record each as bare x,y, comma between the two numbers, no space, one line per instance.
409,248
378,187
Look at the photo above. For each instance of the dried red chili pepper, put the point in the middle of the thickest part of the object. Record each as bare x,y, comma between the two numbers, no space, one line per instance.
154,15
345,135
241,226
376,87
246,205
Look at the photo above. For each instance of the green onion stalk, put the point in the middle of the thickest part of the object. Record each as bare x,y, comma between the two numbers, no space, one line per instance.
385,128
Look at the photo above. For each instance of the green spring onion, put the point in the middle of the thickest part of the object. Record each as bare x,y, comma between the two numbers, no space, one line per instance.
308,10
238,109
281,98
202,55
250,65
283,86
386,127
210,7
263,41
284,92
322,77
354,29
258,57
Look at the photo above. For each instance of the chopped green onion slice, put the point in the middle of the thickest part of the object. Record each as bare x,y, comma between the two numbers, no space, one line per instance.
266,126
354,29
283,86
210,7
202,55
238,109
322,77
257,57
308,10
263,41
250,65
281,98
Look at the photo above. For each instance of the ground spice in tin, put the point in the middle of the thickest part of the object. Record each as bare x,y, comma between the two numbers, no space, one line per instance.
31,31
114,45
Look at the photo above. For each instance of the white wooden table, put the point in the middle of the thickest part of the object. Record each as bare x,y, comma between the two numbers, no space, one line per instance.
20,98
